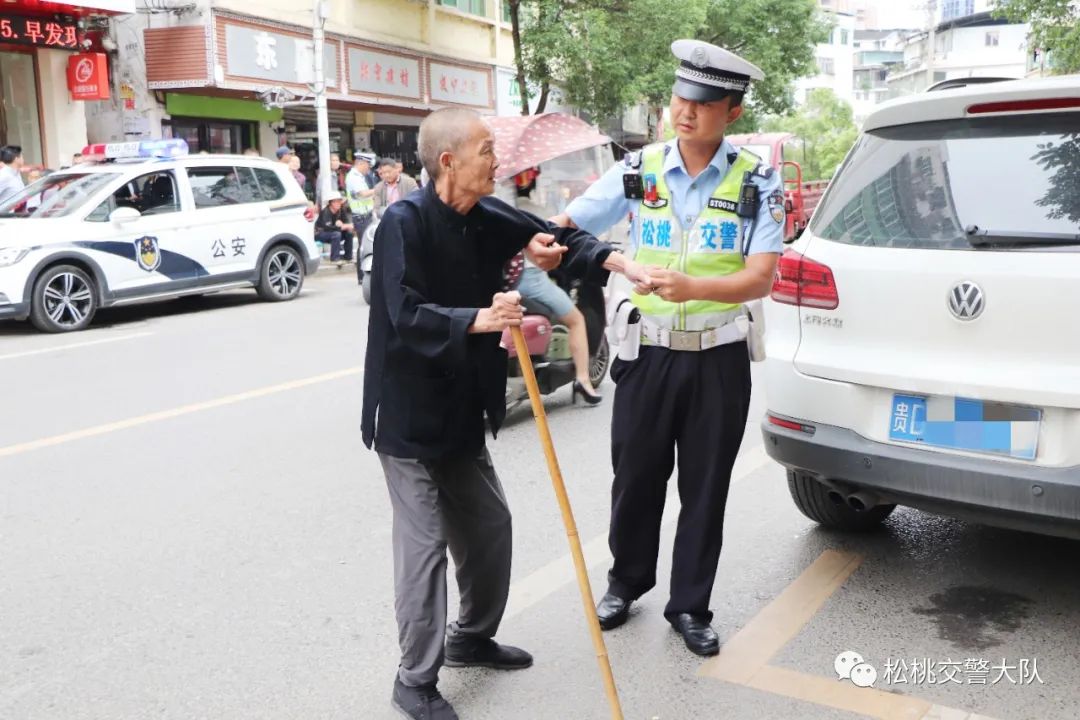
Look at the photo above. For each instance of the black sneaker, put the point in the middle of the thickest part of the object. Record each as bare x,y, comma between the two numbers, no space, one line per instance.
421,703
463,651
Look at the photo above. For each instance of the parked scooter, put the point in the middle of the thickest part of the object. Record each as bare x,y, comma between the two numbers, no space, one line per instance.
549,345
363,262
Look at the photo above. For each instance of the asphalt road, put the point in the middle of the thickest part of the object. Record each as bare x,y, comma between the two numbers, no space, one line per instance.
191,528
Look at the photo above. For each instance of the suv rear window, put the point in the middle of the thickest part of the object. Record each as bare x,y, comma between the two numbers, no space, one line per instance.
925,185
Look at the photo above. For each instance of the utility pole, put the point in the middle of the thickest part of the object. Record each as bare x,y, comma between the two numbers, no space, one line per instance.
319,88
931,17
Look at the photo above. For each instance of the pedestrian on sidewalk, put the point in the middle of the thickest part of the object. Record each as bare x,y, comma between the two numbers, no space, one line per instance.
334,226
393,187
434,369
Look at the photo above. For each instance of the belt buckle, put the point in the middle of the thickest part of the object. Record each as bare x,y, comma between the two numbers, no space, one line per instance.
685,341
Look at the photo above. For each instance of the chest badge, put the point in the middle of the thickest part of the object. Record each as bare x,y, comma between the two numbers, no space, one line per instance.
147,253
652,197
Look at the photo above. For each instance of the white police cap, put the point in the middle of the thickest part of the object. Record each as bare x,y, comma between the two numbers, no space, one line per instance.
707,72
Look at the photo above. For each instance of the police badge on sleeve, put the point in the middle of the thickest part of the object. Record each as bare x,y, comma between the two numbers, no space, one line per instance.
147,253
776,206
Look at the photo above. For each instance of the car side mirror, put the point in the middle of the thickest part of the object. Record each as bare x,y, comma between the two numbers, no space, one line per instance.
123,215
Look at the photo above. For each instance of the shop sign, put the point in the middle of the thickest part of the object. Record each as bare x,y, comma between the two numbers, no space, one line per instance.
88,76
255,53
378,73
453,84
38,32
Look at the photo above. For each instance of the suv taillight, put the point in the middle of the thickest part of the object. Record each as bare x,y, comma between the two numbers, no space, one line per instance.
309,214
801,281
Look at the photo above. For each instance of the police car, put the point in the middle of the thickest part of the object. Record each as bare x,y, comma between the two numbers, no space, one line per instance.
146,222
922,346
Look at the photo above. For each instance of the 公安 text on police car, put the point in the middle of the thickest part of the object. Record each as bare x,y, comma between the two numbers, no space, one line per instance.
150,222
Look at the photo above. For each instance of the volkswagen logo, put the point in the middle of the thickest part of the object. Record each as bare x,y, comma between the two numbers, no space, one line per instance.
966,301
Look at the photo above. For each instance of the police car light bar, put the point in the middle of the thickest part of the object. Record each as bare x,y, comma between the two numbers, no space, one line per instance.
174,147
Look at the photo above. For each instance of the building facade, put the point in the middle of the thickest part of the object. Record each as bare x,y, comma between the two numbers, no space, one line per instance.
835,60
201,69
51,59
978,45
877,53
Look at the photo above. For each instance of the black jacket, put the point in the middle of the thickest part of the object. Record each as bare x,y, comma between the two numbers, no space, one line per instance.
427,381
327,218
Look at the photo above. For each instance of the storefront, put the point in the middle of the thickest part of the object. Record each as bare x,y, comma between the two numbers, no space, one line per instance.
376,95
216,124
41,88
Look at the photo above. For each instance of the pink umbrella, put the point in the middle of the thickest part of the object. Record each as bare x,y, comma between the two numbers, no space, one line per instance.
525,141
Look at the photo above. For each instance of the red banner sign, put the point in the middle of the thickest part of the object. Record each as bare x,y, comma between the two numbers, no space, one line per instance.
88,76
38,32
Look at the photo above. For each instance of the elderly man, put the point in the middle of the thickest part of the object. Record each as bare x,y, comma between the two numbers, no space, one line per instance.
433,370
393,187
334,226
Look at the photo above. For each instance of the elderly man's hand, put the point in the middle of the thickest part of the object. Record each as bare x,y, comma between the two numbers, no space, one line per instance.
638,274
505,311
543,252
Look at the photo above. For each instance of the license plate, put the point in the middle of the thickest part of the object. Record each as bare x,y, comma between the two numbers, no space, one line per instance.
964,424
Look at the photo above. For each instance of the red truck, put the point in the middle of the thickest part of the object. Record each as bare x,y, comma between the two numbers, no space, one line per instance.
801,195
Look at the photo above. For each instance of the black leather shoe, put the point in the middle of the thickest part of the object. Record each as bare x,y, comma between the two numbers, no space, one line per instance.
697,634
421,703
612,611
464,651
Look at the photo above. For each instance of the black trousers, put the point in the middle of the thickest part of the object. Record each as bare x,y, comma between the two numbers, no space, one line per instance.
668,404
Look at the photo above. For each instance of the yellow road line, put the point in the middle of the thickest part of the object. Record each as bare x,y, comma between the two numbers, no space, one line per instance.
782,619
174,412
744,658
838,694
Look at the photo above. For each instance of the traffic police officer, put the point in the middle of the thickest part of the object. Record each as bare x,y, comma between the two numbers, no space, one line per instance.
708,219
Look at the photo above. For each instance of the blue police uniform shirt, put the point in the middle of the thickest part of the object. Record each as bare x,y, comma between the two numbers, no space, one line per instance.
604,203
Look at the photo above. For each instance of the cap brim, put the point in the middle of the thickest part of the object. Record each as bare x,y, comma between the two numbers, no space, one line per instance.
699,93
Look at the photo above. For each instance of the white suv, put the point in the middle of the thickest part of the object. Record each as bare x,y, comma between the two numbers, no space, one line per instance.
93,236
921,346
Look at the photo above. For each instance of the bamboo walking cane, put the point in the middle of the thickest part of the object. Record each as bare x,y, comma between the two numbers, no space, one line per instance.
568,520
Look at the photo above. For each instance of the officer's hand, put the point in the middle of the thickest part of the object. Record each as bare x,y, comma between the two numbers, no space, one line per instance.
543,252
672,285
505,311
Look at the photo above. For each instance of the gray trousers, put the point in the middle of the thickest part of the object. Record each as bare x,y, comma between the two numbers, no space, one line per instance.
456,502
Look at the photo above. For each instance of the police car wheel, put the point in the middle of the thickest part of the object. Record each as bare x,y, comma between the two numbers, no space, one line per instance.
599,362
282,274
64,300
812,498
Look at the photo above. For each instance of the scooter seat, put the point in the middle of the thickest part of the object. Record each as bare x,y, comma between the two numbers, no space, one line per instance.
537,332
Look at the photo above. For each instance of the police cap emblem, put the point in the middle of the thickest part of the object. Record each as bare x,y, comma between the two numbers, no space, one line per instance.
699,57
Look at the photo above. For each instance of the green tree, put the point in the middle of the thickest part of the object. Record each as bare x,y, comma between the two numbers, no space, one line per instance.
827,130
1055,26
609,54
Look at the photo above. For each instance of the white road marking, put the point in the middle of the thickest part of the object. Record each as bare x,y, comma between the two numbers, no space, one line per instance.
73,346
549,579
175,412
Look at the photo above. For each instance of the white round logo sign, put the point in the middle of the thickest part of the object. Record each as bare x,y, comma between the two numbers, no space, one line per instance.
84,70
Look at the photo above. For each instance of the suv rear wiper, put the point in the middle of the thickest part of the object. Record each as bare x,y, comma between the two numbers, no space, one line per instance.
980,237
